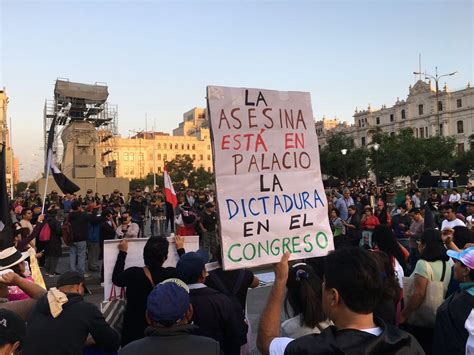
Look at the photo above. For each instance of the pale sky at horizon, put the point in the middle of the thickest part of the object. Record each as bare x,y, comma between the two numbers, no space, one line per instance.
158,57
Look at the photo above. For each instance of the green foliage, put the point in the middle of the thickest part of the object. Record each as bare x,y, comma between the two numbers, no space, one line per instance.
333,161
180,168
200,178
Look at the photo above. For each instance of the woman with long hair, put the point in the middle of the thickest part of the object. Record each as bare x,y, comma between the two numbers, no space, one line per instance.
303,297
385,241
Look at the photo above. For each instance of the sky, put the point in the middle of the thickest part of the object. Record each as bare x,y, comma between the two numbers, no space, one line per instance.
157,57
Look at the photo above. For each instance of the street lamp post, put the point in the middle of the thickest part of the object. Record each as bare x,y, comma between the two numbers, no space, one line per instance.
344,152
376,148
436,79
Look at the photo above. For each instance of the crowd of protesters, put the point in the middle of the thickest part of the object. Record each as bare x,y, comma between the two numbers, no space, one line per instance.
401,280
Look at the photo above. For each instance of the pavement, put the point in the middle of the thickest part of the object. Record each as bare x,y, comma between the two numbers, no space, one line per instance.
256,298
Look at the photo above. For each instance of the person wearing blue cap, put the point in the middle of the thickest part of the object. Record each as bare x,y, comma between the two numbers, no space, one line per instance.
169,313
216,315
450,335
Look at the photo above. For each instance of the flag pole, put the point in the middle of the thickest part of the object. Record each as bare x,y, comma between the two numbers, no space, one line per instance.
48,168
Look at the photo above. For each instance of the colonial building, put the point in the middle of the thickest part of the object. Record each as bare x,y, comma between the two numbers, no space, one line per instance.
452,115
147,152
12,163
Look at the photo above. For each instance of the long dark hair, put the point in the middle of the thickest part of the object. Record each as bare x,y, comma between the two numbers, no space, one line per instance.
386,241
304,292
434,247
391,286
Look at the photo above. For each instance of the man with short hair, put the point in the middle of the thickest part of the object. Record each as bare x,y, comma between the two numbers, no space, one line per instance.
401,221
352,289
61,321
126,228
216,315
208,224
416,198
343,203
80,232
169,313
417,226
451,220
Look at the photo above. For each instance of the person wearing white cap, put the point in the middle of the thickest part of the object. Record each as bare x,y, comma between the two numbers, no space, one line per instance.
450,335
11,258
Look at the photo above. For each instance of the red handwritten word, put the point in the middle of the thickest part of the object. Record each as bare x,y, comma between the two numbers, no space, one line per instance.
294,140
244,141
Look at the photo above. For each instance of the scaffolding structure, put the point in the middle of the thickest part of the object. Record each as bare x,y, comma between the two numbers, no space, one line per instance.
80,102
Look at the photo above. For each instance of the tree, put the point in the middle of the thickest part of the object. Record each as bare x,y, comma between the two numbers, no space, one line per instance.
180,168
334,163
200,178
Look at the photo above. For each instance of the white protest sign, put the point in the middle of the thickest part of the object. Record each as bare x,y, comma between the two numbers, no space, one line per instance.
268,179
135,256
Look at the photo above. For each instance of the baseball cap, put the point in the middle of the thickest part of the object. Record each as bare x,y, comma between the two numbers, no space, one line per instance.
71,278
12,327
168,301
465,256
190,266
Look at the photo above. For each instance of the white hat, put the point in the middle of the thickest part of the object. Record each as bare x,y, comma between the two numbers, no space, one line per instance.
10,257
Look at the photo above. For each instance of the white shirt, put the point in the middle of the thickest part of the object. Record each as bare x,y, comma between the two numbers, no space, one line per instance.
451,224
132,231
399,273
454,198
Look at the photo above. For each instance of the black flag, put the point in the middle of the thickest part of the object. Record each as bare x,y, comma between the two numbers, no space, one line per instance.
5,218
64,184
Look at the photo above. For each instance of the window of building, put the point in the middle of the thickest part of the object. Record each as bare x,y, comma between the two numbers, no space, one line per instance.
176,146
422,133
194,156
420,109
201,157
125,170
125,156
194,146
362,141
440,106
441,129
460,148
459,103
182,146
208,147
188,146
426,132
171,146
158,157
116,156
392,117
360,123
131,171
165,157
377,120
460,125
131,156
416,132
208,157
140,156
159,145
403,114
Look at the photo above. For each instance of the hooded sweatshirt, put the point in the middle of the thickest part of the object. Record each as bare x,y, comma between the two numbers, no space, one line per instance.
67,333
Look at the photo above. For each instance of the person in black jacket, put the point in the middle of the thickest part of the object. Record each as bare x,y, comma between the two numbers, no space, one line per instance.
216,315
450,334
139,285
171,331
55,327
80,231
352,289
54,246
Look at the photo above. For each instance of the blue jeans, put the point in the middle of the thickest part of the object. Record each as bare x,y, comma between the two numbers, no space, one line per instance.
78,249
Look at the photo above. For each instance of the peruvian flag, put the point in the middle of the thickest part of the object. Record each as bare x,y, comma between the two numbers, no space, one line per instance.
170,194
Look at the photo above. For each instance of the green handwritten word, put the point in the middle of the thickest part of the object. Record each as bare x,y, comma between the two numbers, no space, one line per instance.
258,249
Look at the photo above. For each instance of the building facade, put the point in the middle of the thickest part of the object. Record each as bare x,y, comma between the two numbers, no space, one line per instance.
147,152
12,163
451,115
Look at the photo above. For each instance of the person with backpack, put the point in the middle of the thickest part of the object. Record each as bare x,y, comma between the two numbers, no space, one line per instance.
217,316
54,245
